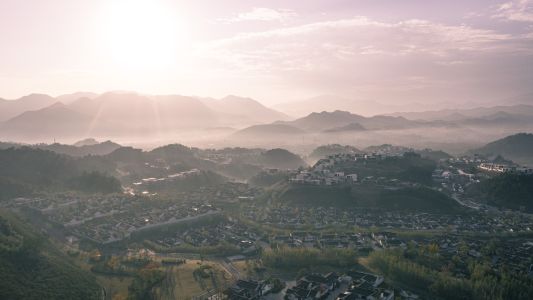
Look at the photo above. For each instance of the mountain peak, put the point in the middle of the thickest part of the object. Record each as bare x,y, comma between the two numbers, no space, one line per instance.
35,95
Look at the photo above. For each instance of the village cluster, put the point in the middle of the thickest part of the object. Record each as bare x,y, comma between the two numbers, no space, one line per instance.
321,217
352,285
111,218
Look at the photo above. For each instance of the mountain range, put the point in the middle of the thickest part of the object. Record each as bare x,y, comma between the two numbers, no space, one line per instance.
112,114
335,122
332,102
129,117
12,108
520,111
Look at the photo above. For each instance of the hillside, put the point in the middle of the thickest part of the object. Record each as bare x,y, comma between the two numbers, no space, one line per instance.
506,190
268,131
280,159
187,183
24,170
366,196
241,110
408,167
56,120
69,98
32,268
518,148
435,155
12,108
325,150
179,154
346,128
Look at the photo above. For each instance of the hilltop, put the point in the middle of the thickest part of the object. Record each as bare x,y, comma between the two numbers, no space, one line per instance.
281,159
325,150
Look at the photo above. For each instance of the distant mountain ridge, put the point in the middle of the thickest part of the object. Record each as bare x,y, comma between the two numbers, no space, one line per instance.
339,120
56,120
12,108
464,114
331,123
333,102
124,113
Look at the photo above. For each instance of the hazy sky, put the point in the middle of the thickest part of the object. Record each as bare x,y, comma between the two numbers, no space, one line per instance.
387,50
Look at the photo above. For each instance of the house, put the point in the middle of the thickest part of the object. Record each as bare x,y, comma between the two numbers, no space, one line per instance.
314,286
245,289
352,177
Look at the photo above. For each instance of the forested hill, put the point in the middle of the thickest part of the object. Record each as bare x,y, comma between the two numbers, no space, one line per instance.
518,147
25,170
32,268
513,191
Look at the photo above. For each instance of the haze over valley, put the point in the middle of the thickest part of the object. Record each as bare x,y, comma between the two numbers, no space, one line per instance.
266,150
149,121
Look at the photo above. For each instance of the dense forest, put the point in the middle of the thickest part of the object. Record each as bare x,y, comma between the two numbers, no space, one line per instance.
25,170
506,190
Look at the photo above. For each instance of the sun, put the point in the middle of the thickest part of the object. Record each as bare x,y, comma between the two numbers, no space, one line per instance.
143,34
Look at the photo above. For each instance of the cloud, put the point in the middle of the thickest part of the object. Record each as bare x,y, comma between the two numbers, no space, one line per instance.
364,54
349,39
261,14
517,10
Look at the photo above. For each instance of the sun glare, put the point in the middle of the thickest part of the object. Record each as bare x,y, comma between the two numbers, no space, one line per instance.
143,34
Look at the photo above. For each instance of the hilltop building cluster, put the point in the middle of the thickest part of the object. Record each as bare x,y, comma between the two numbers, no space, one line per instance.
505,168
322,172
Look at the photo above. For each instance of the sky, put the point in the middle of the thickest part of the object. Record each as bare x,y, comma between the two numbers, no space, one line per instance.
391,51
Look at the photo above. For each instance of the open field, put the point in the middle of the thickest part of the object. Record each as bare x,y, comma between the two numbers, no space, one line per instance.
192,279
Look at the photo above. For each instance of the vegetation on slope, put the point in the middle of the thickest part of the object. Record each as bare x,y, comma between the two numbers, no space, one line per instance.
430,273
409,167
31,268
281,159
506,190
420,199
24,170
518,147
325,150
